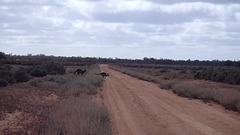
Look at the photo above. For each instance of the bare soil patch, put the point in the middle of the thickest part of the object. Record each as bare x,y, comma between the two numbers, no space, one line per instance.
23,109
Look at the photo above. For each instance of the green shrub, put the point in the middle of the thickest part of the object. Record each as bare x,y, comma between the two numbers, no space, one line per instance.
54,68
6,75
225,75
3,82
38,72
2,55
53,73
21,75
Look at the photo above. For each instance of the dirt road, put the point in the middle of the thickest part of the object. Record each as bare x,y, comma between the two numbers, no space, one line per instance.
141,108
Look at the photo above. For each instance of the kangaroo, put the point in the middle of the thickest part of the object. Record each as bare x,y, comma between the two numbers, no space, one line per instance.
79,71
103,74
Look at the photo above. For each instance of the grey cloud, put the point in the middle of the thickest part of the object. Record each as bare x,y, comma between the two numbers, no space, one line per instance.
9,18
73,16
141,17
18,3
179,1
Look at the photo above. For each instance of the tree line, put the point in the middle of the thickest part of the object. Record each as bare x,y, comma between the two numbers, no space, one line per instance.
36,59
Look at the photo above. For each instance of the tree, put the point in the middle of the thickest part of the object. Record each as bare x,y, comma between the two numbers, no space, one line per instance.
2,55
228,63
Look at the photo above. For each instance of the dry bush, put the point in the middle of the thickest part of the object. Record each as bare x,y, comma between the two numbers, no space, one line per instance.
78,116
168,84
76,91
94,79
229,99
80,82
88,82
50,82
164,72
76,113
44,85
136,74
60,79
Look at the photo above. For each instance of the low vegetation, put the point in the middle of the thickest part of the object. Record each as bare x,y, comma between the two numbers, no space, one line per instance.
56,104
54,101
180,80
220,74
76,113
229,99
78,116
137,74
16,73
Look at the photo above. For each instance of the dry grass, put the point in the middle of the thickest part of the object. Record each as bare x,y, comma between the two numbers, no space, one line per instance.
77,113
70,83
72,113
229,99
78,116
136,74
167,84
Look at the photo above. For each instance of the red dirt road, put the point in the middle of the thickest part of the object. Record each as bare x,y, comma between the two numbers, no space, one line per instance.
141,108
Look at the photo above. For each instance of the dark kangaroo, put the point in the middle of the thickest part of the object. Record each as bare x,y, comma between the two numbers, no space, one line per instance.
103,74
79,71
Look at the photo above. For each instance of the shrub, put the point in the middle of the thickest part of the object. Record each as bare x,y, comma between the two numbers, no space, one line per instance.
76,91
3,82
140,75
6,75
49,82
163,71
183,72
53,73
2,55
84,86
58,78
225,75
191,91
54,68
38,72
167,85
21,75
229,99
78,116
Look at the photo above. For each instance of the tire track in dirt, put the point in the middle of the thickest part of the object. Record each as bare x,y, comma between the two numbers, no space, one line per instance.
141,108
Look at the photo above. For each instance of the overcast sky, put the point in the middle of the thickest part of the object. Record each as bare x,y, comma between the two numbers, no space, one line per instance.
173,29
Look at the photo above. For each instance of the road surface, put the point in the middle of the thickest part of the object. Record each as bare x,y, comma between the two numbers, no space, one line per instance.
138,107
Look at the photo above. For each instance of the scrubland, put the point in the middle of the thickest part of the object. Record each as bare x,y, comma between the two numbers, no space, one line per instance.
54,104
218,84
